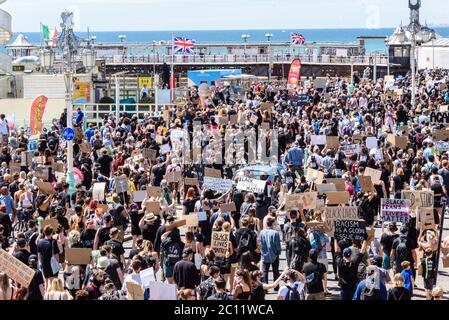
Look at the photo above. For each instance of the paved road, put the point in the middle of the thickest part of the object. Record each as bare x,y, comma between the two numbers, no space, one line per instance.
419,294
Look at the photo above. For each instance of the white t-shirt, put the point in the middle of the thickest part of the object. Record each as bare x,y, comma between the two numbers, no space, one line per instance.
3,127
283,291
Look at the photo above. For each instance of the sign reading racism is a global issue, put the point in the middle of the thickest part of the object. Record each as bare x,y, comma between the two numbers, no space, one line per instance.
439,117
350,229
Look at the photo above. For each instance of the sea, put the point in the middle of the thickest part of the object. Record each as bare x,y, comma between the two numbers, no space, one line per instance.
311,35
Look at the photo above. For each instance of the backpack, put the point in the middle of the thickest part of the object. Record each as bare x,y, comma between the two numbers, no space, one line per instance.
370,293
172,252
293,293
402,252
300,247
313,279
316,242
247,241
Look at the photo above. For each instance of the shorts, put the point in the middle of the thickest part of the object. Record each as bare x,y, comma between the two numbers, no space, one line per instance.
325,262
315,296
429,283
386,264
168,270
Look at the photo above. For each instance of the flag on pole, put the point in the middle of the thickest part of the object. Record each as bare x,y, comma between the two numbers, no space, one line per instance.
45,31
297,39
54,38
183,45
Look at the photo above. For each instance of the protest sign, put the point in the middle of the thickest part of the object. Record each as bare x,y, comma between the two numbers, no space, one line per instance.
332,142
371,142
219,243
121,184
177,224
26,159
53,223
148,153
251,185
98,191
78,256
228,207
14,167
418,199
266,106
374,174
163,291
202,216
191,220
350,149
212,173
316,226
42,172
135,291
339,197
296,201
254,119
395,210
16,269
338,213
338,182
153,206
175,176
314,176
154,192
398,142
439,117
191,181
350,229
147,276
217,184
441,146
441,134
139,196
57,166
318,140
357,139
425,216
45,187
165,148
233,118
366,184
323,188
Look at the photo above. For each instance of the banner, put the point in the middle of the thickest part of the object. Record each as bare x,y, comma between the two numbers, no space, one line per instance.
37,113
294,76
220,185
439,117
251,185
395,210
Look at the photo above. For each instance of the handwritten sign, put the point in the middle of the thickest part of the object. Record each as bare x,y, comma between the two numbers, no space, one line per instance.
338,213
332,142
439,117
398,141
339,197
121,184
350,229
371,142
327,187
78,256
228,207
318,140
296,201
150,154
366,184
424,216
16,269
251,185
45,187
154,192
418,199
314,176
191,220
175,176
212,173
441,135
350,149
395,210
53,223
139,196
190,181
338,182
217,184
219,243
374,174
153,206
98,191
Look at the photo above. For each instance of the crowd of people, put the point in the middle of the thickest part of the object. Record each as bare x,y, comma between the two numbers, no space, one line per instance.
260,230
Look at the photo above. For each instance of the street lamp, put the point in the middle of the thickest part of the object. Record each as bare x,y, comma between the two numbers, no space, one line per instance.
47,58
154,57
122,37
245,38
270,55
93,38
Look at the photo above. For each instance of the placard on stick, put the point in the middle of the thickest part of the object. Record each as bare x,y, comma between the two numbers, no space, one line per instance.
228,207
314,176
45,187
155,192
78,256
219,243
339,197
338,182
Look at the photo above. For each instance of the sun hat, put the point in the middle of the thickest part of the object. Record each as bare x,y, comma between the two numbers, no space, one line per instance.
102,263
149,217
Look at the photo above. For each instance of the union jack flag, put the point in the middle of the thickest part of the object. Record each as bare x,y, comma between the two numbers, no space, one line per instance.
297,39
183,45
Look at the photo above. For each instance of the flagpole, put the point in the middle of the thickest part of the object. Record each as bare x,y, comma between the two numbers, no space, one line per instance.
40,32
172,78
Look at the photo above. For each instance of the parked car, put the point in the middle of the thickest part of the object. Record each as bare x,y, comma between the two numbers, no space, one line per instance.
261,172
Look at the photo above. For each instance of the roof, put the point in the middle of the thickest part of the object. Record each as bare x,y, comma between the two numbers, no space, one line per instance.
442,42
20,42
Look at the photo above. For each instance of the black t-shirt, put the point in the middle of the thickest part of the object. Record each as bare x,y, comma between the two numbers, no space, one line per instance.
88,237
117,247
189,204
347,270
22,255
408,244
34,293
112,271
103,235
31,237
186,275
387,242
158,172
149,230
105,165
315,271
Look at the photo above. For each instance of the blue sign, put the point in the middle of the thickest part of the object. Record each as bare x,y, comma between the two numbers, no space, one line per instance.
68,134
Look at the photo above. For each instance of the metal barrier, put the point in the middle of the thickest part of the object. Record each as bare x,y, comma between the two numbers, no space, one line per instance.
95,112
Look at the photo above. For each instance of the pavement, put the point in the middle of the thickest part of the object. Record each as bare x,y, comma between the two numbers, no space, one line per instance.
419,293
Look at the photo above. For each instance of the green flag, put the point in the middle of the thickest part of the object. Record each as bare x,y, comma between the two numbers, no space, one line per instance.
45,32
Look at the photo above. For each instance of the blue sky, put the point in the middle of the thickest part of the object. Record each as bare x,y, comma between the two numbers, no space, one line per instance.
133,15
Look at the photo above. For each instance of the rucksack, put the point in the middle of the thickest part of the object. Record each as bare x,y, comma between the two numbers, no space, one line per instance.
300,247
402,252
313,279
172,252
247,241
293,293
370,293
316,242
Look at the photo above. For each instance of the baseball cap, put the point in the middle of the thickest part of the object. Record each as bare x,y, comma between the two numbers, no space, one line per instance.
347,252
170,218
186,252
32,257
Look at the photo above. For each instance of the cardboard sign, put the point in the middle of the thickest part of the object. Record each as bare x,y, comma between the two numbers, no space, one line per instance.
339,197
371,142
439,117
139,196
14,167
418,199
366,184
121,184
318,140
220,185
332,142
350,229
135,291
150,154
41,173
191,220
98,191
374,174
228,207
323,188
398,142
154,192
78,256
219,243
267,106
175,176
424,216
338,182
191,181
316,226
338,213
441,135
50,222
251,185
296,201
176,224
163,291
45,187
153,206
26,159
57,166
314,176
16,269
212,173
395,210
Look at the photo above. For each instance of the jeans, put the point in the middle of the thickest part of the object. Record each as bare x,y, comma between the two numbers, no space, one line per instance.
347,293
266,269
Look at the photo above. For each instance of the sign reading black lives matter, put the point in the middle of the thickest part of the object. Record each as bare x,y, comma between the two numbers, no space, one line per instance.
350,229
439,117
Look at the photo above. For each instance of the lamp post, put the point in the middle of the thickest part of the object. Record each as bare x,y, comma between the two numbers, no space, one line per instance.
154,58
270,55
122,37
68,44
245,38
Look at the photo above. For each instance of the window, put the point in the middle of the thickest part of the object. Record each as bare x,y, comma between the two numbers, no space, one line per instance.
398,52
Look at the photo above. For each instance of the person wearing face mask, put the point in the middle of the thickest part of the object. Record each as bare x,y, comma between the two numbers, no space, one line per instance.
371,288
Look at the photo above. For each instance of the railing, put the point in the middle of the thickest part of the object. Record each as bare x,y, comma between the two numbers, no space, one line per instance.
95,112
232,58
